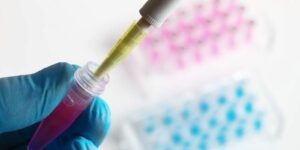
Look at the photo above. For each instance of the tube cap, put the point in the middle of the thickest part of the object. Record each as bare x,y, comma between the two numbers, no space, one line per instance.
156,12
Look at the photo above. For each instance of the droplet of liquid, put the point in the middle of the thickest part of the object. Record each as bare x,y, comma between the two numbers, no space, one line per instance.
213,122
168,120
222,100
231,116
176,138
195,130
202,146
257,124
249,107
221,139
240,132
239,92
204,107
150,129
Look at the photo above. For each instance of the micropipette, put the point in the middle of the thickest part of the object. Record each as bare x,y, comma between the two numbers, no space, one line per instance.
90,82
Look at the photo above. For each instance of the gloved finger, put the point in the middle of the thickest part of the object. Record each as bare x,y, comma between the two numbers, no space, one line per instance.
27,99
76,143
93,124
17,139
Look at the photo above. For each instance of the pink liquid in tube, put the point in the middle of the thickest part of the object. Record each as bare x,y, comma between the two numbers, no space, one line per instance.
81,93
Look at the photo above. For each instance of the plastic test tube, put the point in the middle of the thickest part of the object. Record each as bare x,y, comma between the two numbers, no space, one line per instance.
84,88
90,81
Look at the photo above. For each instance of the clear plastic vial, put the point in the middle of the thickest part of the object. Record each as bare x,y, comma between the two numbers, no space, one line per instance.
84,88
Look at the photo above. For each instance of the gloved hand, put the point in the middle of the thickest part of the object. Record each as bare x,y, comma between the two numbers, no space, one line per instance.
26,100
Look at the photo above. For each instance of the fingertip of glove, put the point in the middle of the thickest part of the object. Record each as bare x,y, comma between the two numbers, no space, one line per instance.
59,72
76,143
101,108
94,123
65,67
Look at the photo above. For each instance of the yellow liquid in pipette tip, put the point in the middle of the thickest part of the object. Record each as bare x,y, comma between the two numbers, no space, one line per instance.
132,37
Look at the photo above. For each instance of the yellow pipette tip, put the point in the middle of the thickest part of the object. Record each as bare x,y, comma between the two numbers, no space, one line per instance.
132,37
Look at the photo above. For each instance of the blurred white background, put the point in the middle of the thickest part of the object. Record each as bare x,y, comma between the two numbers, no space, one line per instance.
37,33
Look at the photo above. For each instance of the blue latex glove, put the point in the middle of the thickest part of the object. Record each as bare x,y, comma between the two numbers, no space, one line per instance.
26,100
